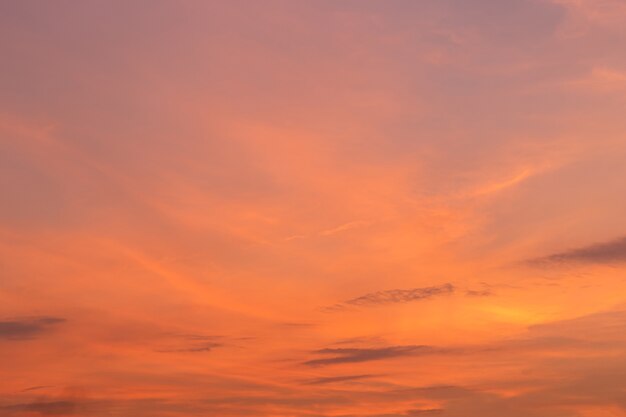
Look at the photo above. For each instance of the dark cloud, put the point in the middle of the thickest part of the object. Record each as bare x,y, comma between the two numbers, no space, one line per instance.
35,388
395,296
351,355
45,408
27,328
401,296
196,347
607,252
192,343
333,379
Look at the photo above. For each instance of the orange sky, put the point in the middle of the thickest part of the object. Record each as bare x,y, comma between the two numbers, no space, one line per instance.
324,208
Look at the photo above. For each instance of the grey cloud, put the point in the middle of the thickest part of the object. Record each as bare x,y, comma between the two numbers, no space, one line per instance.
333,379
35,388
401,296
191,343
395,296
194,344
28,328
351,355
613,251
45,408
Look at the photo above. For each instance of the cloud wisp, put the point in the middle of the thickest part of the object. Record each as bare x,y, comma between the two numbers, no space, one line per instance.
46,408
194,344
28,328
613,251
353,355
395,296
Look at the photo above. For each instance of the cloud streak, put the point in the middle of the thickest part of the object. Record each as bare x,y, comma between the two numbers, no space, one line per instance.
354,355
334,379
28,328
396,296
195,344
613,251
47,408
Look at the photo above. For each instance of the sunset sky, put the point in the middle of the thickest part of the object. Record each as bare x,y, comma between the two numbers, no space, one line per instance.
313,208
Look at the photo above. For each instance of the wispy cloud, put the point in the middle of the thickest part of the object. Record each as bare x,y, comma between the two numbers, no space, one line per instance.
28,328
352,355
613,251
36,388
194,344
333,231
47,408
395,296
334,379
342,228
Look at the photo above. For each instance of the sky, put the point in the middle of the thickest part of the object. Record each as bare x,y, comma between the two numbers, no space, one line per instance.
320,208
